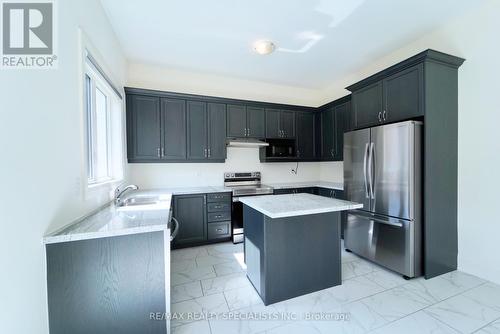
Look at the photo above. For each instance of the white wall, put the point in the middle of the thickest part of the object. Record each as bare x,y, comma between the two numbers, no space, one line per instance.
175,80
40,171
203,174
473,36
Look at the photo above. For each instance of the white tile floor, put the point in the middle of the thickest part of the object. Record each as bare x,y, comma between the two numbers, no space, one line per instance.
209,286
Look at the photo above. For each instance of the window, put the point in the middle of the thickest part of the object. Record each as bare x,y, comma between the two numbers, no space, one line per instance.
104,119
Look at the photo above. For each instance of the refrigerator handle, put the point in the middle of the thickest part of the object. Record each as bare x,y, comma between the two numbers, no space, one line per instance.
371,174
364,171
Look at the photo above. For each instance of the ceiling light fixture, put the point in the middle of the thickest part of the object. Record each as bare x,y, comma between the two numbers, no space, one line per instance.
264,47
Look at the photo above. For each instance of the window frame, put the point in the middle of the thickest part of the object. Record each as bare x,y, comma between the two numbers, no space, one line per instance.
93,81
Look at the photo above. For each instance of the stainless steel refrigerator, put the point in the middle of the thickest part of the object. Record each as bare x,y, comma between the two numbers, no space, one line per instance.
383,170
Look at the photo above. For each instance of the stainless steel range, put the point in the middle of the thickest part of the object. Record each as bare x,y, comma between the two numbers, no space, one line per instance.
243,184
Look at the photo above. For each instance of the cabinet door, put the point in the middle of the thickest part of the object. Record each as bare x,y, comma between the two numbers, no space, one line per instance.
273,123
338,132
189,210
173,120
403,95
287,124
348,126
144,128
327,134
197,130
367,105
285,191
325,192
256,122
236,121
308,190
216,131
305,135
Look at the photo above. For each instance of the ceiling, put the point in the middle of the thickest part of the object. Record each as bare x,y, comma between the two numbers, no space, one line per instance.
318,41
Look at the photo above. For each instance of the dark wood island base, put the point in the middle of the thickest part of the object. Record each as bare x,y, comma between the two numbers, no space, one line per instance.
292,256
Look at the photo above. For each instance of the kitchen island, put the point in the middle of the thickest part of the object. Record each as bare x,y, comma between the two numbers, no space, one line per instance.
292,244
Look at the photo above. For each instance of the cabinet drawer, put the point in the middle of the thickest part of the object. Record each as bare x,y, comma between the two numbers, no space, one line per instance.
219,197
219,216
217,206
219,230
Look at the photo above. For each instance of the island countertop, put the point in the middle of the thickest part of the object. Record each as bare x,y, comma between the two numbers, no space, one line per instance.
109,222
320,184
290,205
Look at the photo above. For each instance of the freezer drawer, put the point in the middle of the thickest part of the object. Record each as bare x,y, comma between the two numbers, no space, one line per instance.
389,242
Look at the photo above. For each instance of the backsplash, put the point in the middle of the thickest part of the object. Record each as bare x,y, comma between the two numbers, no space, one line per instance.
238,160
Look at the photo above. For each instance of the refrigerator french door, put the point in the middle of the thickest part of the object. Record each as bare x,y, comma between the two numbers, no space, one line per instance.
382,170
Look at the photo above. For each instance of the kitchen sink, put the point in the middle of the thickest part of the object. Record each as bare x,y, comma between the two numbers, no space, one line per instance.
145,202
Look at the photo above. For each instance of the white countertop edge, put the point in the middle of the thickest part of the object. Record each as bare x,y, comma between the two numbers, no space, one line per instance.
320,184
305,212
104,234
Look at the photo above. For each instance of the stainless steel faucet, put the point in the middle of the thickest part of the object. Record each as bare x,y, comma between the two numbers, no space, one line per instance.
119,192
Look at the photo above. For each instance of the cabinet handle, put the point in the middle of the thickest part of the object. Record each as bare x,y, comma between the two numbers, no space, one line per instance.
158,152
380,116
205,152
219,230
248,134
383,115
209,153
163,151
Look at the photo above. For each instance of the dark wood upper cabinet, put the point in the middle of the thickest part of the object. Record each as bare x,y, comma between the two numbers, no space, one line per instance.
403,95
339,123
327,134
245,121
306,144
216,131
280,124
173,123
287,124
197,130
367,105
395,98
273,123
236,121
144,128
256,120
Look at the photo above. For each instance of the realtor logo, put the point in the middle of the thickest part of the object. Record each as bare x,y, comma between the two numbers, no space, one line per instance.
28,35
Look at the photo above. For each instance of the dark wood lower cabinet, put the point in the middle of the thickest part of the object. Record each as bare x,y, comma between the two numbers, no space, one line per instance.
203,218
190,212
107,285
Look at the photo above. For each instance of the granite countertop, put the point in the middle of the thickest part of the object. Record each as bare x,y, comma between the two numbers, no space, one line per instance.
109,222
190,190
290,205
322,184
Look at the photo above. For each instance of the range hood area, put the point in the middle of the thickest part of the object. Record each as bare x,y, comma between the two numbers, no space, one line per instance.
246,142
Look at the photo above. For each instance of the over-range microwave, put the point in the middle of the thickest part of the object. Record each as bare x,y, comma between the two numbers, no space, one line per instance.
280,148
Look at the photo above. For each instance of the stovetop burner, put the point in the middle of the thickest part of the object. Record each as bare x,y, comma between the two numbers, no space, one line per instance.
246,184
